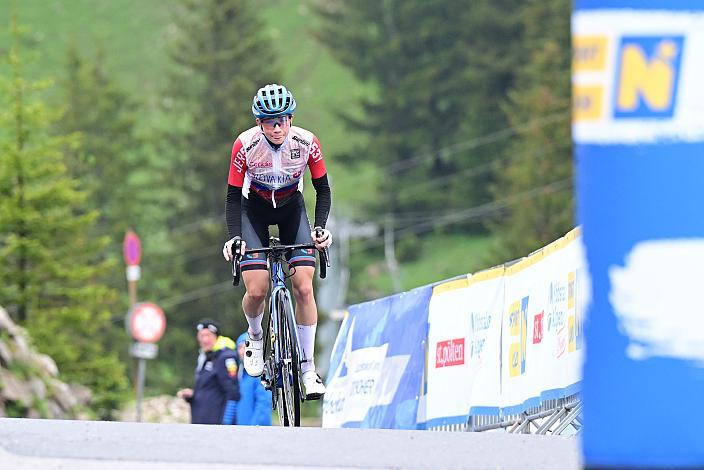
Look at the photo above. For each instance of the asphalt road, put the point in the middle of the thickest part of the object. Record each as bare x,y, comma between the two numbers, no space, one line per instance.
54,444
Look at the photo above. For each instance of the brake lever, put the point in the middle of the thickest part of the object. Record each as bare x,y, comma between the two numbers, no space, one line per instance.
327,256
236,270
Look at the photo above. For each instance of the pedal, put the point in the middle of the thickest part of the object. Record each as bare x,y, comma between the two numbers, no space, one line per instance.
265,381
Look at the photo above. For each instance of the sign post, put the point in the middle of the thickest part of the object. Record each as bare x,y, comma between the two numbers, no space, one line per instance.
146,324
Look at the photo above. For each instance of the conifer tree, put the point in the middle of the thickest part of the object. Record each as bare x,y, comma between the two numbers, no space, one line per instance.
221,55
442,68
49,262
540,164
104,117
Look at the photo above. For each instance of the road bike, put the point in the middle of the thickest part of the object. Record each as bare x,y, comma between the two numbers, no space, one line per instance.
282,349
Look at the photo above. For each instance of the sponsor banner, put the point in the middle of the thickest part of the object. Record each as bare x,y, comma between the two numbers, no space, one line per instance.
636,76
463,370
376,367
639,151
541,329
498,342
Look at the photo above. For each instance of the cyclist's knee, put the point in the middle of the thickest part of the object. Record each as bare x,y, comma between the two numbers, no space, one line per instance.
257,292
303,292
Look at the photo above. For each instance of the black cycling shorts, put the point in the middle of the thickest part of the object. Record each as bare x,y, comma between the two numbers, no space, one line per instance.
294,228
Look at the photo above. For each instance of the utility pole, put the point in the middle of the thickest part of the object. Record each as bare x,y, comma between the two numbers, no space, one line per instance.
390,253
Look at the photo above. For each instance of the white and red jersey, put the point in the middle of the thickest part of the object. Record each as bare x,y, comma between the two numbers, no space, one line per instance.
274,174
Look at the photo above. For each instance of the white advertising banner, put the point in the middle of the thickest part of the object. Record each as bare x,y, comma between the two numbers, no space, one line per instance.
542,326
464,348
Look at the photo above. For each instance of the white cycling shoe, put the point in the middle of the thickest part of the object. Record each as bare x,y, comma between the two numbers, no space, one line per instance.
254,356
313,385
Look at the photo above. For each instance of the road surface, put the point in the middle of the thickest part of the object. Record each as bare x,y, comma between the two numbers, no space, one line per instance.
54,444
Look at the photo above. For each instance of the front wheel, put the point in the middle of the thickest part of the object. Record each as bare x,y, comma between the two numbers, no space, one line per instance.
289,400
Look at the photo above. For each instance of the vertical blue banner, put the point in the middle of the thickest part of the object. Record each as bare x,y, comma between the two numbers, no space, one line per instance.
638,129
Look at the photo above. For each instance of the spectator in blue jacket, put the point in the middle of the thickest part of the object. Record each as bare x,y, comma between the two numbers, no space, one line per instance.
254,407
214,397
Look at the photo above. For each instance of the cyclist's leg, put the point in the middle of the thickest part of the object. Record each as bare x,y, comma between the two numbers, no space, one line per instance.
255,232
294,228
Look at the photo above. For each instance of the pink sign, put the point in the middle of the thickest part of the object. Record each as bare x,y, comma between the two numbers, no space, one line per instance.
132,249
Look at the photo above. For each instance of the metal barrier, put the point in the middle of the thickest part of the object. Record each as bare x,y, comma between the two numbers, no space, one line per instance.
559,417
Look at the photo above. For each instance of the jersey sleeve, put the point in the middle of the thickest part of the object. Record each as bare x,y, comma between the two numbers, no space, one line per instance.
238,165
315,159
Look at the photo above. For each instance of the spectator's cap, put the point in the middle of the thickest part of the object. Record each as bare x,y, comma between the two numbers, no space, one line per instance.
242,338
209,324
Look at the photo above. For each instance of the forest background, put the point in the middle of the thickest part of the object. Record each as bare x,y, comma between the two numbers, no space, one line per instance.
445,125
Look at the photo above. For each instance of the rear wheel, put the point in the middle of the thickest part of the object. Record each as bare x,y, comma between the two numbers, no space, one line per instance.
290,397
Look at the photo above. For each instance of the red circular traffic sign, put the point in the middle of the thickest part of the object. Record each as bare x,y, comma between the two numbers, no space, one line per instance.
146,322
132,249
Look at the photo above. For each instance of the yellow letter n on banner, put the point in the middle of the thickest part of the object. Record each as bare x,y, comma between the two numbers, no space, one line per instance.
647,76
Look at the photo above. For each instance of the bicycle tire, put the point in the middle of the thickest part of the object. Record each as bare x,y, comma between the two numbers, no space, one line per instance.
269,361
290,410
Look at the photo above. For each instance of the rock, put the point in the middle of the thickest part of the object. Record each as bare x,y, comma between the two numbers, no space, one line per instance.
6,323
160,409
82,394
35,379
82,415
46,364
14,389
61,392
55,411
22,351
5,354
38,388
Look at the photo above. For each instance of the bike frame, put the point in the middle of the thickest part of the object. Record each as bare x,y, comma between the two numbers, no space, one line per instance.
278,284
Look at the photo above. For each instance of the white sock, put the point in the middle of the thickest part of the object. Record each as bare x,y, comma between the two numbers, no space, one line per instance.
255,326
306,335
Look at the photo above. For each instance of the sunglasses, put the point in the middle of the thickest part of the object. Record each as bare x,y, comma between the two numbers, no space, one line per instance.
272,122
209,326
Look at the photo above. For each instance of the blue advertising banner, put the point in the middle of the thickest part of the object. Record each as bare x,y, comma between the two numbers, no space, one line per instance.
639,144
376,368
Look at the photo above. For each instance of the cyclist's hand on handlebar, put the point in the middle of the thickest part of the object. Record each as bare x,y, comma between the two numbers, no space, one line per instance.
234,245
321,237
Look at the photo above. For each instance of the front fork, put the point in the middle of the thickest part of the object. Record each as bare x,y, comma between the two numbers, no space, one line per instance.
291,320
273,377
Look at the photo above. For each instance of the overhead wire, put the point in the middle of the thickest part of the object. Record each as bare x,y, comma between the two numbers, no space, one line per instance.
477,212
476,142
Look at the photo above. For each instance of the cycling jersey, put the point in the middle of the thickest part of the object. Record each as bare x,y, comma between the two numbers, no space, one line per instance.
274,174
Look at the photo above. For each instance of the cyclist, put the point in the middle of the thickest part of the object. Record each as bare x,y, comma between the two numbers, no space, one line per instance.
264,188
